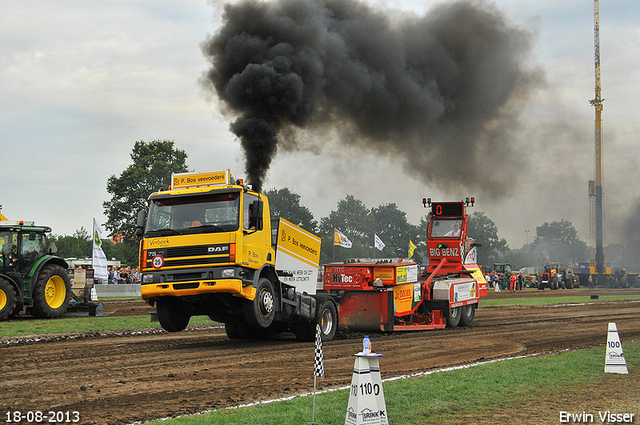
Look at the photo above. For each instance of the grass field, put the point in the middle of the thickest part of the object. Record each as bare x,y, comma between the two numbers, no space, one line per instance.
448,396
83,324
569,299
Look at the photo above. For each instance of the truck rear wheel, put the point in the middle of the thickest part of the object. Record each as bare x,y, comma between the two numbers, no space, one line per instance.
262,310
172,314
328,320
7,299
52,292
454,317
468,313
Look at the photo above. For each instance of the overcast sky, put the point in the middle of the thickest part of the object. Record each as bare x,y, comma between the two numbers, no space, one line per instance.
81,81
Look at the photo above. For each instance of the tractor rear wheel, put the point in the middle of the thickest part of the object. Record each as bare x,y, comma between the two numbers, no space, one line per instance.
454,317
172,314
7,299
52,292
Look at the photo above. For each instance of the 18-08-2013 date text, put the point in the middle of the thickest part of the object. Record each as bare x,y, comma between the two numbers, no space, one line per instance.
42,417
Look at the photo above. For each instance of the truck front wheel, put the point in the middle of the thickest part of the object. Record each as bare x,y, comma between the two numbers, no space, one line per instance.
262,310
7,299
172,315
52,292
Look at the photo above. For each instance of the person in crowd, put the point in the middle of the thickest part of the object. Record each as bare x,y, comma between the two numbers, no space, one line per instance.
136,275
116,276
124,276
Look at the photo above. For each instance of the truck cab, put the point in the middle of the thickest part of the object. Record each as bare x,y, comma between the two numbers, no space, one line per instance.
209,247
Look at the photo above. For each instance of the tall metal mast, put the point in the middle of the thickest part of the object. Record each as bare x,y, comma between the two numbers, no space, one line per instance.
597,103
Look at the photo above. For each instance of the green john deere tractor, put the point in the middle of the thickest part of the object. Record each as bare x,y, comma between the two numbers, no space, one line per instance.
31,276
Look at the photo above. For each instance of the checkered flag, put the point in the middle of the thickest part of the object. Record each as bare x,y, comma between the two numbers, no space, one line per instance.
319,363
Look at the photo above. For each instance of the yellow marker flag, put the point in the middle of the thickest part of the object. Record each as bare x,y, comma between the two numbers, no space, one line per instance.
412,247
340,239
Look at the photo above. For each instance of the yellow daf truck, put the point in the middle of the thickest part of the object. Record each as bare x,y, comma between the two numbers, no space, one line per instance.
209,247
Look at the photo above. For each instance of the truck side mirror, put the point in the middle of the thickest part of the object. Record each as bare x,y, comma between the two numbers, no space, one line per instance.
53,248
141,219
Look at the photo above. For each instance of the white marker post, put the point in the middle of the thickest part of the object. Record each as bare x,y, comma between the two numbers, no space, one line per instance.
366,398
614,361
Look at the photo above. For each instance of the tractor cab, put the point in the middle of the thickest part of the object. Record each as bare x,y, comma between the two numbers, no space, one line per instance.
447,241
30,276
22,244
452,252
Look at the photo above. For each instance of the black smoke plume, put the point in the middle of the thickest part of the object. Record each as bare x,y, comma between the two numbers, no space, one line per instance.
441,92
630,238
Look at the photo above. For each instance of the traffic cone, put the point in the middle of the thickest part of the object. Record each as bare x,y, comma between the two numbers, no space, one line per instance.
614,361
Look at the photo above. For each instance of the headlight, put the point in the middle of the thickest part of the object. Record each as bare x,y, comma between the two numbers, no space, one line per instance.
147,278
227,273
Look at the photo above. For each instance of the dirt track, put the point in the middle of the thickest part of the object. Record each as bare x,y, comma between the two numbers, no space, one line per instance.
121,379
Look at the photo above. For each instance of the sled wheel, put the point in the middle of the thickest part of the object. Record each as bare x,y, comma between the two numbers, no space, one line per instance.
7,299
468,313
172,314
262,310
52,292
454,317
328,320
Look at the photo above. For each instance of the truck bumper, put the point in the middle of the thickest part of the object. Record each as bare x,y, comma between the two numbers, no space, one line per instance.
234,287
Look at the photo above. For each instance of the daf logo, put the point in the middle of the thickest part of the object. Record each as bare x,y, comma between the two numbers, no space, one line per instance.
218,249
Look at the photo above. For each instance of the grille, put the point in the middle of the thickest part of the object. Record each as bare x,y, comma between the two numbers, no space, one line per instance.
178,286
185,276
187,251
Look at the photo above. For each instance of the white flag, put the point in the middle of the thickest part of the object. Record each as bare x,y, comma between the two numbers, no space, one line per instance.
378,243
99,262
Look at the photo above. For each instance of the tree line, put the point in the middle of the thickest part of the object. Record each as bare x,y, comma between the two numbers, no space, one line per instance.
154,162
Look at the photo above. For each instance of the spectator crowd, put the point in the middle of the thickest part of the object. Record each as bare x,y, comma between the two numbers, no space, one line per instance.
123,275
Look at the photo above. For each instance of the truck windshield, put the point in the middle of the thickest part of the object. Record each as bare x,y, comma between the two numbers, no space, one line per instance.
446,228
194,214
